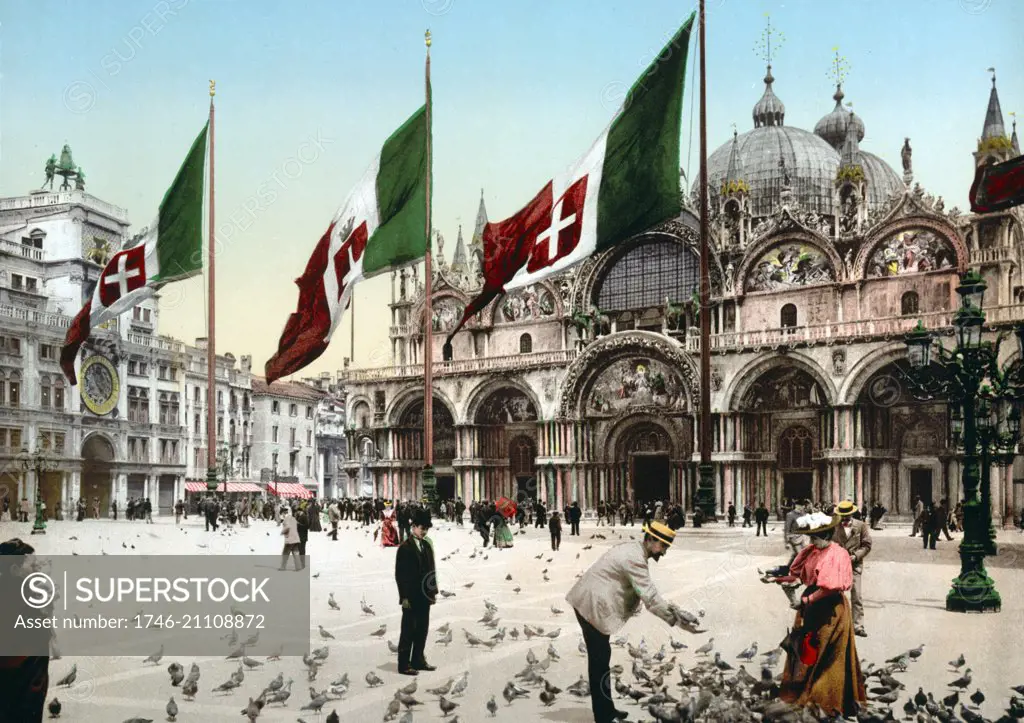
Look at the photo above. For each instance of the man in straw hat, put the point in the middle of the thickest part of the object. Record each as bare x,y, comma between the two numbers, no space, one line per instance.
608,594
854,535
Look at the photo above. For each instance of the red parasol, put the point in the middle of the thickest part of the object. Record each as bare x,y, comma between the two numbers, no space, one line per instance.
506,507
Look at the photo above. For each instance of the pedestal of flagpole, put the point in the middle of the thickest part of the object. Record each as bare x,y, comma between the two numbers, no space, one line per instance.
429,481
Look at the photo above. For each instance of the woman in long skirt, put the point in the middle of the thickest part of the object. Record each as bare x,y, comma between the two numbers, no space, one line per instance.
502,532
822,667
388,531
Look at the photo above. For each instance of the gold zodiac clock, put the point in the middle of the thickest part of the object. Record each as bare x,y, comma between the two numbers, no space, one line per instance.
100,385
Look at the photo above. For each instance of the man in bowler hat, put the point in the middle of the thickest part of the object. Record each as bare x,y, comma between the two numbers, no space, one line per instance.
417,591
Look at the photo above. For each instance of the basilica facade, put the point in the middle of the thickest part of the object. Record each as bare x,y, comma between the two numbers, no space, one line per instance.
586,386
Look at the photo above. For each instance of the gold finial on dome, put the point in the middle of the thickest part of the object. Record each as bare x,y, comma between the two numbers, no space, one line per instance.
840,67
426,37
767,46
213,88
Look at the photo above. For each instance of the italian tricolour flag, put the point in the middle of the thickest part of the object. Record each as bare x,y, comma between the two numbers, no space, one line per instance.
626,183
381,226
169,249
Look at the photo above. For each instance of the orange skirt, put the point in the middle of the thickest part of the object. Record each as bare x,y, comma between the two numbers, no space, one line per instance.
834,682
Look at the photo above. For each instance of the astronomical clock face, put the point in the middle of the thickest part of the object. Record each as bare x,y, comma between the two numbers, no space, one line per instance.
100,385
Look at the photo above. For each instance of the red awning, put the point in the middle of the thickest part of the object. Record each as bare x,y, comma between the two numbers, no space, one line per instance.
232,487
289,489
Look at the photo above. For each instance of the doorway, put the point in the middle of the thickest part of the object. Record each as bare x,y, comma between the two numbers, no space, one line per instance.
797,485
166,494
97,469
921,484
445,487
650,477
526,489
51,488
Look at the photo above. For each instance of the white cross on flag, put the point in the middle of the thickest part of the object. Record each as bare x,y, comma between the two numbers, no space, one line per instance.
626,183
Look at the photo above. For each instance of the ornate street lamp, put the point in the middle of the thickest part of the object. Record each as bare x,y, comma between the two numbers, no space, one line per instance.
38,462
970,380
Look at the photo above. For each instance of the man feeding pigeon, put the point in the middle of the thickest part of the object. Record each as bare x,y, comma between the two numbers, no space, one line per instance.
606,597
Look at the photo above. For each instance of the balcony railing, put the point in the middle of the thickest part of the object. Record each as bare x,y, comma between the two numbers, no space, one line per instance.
17,249
993,255
461,366
47,318
44,200
163,343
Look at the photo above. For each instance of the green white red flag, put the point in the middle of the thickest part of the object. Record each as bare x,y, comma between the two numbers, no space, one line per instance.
170,249
626,183
381,226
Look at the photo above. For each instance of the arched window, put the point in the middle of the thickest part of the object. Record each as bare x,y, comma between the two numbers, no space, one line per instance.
646,275
525,344
447,353
45,391
795,449
787,317
909,303
58,394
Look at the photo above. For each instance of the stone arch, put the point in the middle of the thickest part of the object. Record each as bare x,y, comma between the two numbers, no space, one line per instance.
625,426
486,390
940,228
861,372
599,355
99,447
594,270
402,402
755,369
796,235
356,408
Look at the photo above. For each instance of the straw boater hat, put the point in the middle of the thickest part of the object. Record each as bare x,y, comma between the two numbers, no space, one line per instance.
660,531
816,522
846,508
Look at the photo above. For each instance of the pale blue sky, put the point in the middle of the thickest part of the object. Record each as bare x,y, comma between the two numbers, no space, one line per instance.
521,88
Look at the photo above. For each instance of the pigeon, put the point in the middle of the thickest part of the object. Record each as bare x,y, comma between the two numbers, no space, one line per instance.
332,603
392,648
677,645
461,684
555,610
411,688
447,706
446,639
958,663
580,689
749,653
977,697
407,700
951,700
492,707
393,708
372,680
325,634
189,689
54,707
547,698
68,679
155,657
706,647
721,664
333,717
442,690
963,681
380,632
251,663
172,709
316,704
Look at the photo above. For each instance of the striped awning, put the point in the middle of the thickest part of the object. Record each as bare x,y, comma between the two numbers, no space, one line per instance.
289,489
232,487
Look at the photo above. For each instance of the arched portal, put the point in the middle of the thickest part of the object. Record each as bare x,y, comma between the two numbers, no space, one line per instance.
97,473
506,429
795,452
647,450
410,441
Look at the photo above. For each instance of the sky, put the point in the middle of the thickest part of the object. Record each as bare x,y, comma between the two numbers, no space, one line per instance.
307,93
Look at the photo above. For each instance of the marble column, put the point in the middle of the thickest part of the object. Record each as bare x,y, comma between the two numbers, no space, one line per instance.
76,487
1008,508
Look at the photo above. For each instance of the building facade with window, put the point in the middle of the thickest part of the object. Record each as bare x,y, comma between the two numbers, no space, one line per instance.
119,433
284,433
585,386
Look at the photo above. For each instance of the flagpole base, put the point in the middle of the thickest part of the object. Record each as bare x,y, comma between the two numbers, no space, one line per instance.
705,497
429,482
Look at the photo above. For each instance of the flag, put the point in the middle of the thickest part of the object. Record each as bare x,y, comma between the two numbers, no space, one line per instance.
169,249
998,186
382,225
626,183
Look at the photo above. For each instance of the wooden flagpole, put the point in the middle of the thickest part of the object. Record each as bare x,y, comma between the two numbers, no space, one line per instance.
705,490
428,321
211,335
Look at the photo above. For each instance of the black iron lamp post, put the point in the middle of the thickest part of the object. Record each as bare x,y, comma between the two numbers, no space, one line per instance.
976,389
38,462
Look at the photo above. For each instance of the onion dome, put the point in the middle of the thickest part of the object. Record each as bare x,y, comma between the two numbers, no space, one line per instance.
769,111
832,127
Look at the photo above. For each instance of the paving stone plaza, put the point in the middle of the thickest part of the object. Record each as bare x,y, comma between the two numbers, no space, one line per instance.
714,569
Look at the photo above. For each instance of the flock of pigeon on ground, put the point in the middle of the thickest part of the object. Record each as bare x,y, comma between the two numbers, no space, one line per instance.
709,690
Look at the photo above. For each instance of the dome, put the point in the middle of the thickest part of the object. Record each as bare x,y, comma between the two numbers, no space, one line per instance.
881,178
832,127
810,163
769,111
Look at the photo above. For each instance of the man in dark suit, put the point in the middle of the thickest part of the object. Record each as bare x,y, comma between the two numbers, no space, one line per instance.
417,591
